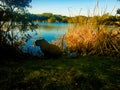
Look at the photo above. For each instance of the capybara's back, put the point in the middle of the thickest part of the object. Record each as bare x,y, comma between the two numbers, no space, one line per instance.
41,42
54,51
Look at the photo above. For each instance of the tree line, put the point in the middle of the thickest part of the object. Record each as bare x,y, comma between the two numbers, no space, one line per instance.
49,17
105,19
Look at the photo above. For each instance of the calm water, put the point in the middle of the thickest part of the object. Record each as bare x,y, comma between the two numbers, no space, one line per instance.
48,31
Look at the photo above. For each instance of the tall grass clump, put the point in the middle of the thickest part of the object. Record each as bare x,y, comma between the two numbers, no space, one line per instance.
87,40
94,37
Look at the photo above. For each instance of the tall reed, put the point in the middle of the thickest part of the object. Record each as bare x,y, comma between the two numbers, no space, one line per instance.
94,40
93,37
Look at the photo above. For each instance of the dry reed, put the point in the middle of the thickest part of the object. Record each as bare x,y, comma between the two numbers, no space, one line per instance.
89,37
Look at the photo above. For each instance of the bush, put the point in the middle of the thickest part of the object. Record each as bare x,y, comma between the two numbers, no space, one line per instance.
94,40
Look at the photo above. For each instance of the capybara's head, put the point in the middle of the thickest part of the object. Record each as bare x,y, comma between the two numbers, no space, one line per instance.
39,42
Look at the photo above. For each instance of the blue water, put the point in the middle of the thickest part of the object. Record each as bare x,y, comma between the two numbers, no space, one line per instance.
48,31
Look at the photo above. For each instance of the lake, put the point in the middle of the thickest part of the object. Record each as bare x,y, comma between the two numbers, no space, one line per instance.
48,31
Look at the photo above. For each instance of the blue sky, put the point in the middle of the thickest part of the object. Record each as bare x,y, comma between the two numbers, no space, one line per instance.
73,7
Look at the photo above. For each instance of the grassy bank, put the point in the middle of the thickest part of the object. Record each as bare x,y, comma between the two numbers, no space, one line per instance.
84,73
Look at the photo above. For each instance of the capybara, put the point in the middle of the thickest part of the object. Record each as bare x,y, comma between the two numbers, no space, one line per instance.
49,50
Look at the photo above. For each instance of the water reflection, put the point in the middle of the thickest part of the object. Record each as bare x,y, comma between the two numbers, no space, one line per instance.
48,31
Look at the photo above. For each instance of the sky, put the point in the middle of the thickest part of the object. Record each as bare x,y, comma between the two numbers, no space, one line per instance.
74,7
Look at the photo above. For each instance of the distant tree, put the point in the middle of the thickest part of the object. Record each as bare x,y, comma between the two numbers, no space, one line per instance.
65,19
52,19
118,11
47,14
49,17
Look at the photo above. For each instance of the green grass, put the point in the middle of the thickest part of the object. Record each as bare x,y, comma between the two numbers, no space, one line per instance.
83,73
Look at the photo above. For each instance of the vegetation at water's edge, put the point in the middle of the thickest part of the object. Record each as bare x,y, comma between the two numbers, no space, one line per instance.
84,73
106,18
91,36
89,31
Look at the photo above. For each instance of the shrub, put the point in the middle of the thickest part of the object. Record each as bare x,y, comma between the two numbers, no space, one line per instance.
94,40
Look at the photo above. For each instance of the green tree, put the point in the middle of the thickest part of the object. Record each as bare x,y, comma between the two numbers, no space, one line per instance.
118,11
52,19
13,14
